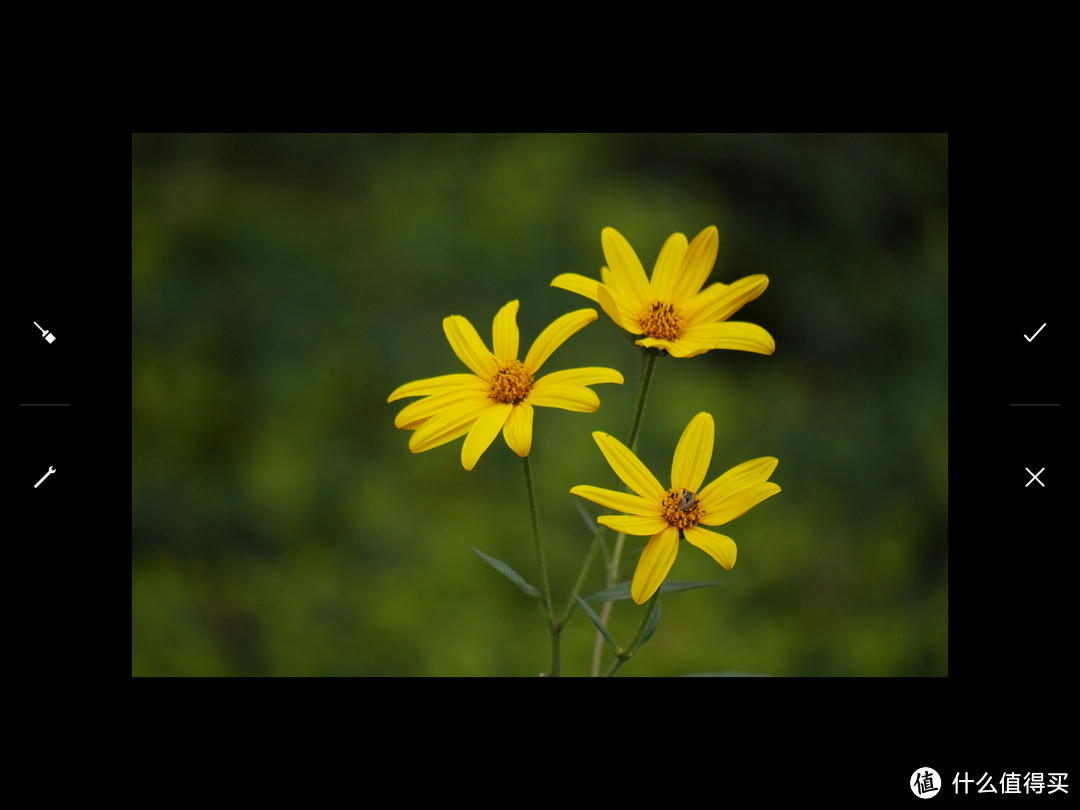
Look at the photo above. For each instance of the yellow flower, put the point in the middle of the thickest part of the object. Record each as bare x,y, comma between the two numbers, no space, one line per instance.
678,511
500,393
672,311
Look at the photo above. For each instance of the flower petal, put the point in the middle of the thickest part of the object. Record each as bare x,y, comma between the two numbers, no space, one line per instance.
655,562
626,267
627,466
580,376
567,396
577,284
697,264
555,335
623,501
483,433
720,511
448,425
668,265
719,302
416,413
438,385
518,429
694,453
468,346
723,499
633,524
615,312
740,477
622,293
658,342
747,337
708,297
718,546
677,348
505,334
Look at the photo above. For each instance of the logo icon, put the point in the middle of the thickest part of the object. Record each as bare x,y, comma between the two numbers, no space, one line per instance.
925,783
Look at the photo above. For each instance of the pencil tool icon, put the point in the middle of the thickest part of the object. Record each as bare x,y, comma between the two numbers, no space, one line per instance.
45,333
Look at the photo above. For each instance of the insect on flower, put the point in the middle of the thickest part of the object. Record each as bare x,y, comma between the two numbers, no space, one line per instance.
668,515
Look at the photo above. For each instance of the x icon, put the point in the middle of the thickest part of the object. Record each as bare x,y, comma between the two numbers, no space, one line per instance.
1034,477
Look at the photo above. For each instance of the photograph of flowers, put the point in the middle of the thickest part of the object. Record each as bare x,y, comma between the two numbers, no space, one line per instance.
539,405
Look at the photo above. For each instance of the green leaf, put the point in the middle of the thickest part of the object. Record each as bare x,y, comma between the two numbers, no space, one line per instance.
622,590
590,521
509,573
725,675
596,620
650,627
674,587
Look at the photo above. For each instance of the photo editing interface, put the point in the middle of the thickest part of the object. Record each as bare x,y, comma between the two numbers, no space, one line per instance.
51,389
1032,478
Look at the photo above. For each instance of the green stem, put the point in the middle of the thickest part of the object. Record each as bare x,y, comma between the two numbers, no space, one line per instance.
643,391
598,644
613,568
541,566
624,655
646,378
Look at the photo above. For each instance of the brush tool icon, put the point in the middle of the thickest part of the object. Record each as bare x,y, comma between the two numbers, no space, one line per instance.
45,333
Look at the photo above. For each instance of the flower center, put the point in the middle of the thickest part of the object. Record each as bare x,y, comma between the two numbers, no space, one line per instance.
662,321
681,508
511,383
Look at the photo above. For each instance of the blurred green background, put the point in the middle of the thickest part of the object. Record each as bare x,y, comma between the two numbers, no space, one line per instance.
283,286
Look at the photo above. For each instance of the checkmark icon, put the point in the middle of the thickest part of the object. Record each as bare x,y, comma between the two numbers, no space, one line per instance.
1029,339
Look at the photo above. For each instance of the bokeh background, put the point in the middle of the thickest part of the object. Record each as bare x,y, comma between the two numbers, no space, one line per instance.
283,286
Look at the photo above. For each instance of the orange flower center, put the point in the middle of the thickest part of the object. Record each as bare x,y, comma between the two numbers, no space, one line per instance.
662,321
680,508
511,383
